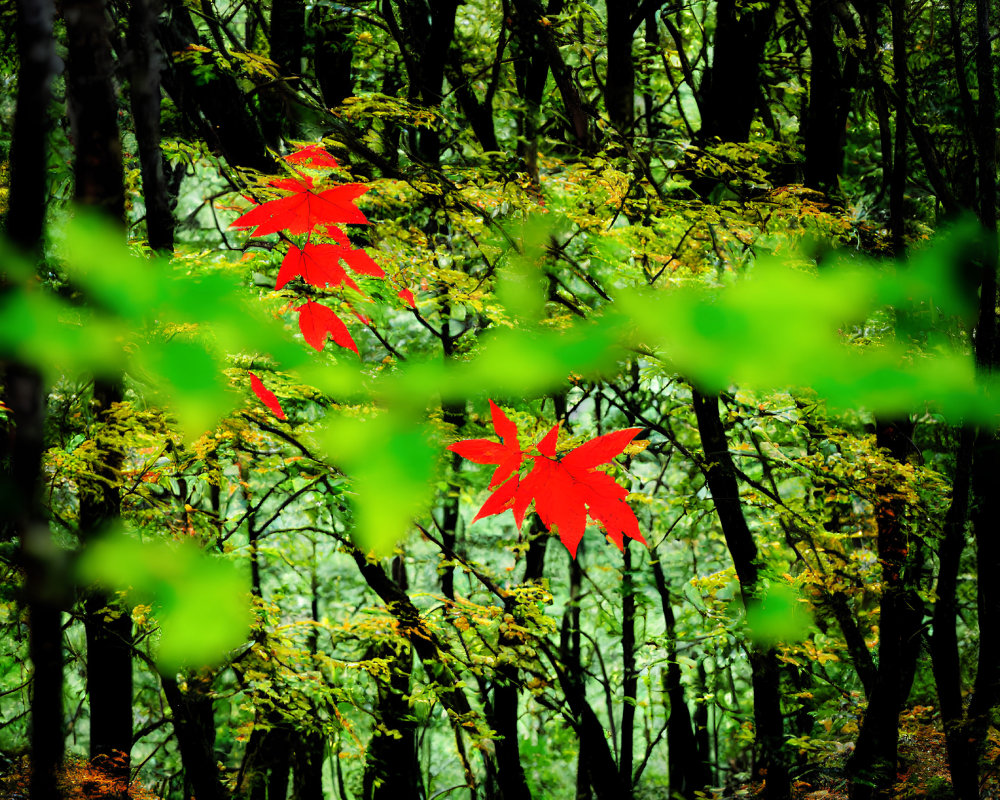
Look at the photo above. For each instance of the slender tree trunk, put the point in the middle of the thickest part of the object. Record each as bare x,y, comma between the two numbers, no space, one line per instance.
425,33
985,509
217,106
100,184
195,739
831,83
630,679
391,766
308,755
730,89
873,765
332,56
287,37
687,761
147,64
765,677
944,639
619,86
541,50
93,109
21,512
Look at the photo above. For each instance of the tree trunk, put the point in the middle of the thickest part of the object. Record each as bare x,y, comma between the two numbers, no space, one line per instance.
831,84
93,109
217,106
730,89
873,765
687,760
308,755
944,640
21,512
287,38
630,678
619,86
332,55
391,766
195,739
425,33
147,64
100,184
721,478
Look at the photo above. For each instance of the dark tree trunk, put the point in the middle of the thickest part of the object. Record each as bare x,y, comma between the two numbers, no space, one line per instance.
873,765
287,34
630,678
287,38
195,738
93,109
453,414
985,509
539,53
218,107
425,33
531,69
596,759
765,678
147,64
391,766
308,754
730,89
264,772
29,146
21,512
619,86
944,640
109,634
332,55
100,184
900,167
502,716
687,761
831,83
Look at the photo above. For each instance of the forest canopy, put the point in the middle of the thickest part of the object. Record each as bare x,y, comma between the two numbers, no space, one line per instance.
298,300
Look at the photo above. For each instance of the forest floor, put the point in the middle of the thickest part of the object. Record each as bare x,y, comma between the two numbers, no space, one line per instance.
923,771
923,766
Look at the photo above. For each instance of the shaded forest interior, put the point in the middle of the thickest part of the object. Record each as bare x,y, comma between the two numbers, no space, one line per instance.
805,608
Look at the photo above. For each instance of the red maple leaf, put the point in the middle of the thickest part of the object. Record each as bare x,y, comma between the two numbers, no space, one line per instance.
317,264
312,154
304,210
407,296
267,397
362,263
316,321
506,454
565,490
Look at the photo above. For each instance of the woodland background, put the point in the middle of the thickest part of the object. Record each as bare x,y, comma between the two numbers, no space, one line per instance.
814,614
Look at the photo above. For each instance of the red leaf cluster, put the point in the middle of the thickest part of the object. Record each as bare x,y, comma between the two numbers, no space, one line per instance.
308,210
565,489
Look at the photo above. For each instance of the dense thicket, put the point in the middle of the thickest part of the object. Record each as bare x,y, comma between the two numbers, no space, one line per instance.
815,610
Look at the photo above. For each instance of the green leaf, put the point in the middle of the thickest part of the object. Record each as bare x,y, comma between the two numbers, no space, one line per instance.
200,602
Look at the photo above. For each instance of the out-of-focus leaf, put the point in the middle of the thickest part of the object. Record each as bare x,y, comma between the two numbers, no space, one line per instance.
185,376
39,329
201,602
392,463
778,616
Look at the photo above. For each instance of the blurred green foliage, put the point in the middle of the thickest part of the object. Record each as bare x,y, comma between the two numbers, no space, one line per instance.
200,602
783,324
